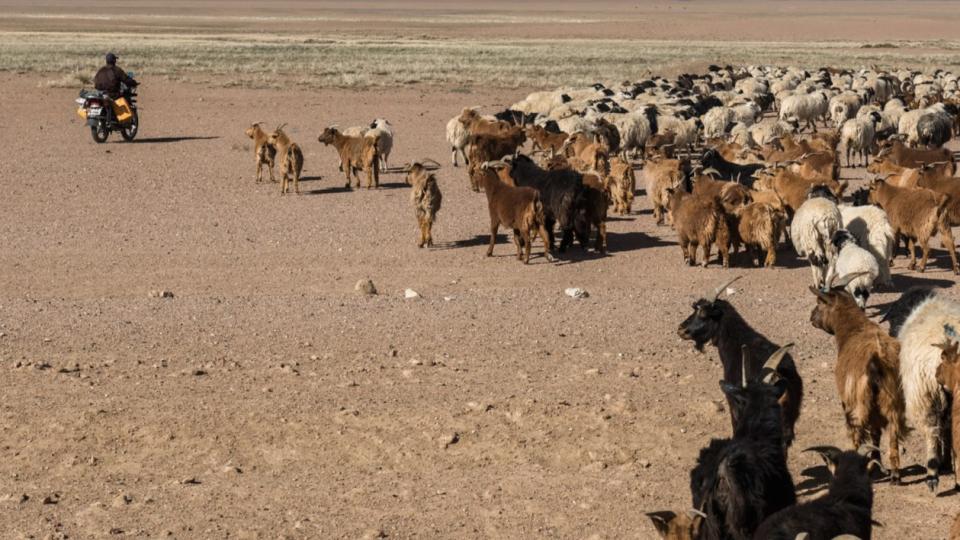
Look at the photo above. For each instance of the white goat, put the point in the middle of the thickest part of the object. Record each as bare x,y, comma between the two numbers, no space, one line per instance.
384,131
858,134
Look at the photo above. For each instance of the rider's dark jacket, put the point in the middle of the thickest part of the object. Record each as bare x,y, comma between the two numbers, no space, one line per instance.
108,80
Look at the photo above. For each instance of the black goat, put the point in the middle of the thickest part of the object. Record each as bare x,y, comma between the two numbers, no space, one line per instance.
739,482
559,190
716,321
516,118
845,509
733,172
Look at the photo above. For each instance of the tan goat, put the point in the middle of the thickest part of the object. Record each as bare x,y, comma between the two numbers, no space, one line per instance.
291,159
621,185
356,154
264,153
426,199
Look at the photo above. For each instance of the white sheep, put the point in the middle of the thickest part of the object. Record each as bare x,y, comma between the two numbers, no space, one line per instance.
872,229
765,131
458,137
740,134
686,132
635,129
805,108
715,122
746,113
844,107
919,357
811,231
384,131
858,134
852,259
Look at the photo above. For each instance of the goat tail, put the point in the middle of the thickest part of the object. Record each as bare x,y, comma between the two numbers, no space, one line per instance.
534,216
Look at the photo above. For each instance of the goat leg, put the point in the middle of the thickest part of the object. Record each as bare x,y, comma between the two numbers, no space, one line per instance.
494,226
518,241
925,251
946,239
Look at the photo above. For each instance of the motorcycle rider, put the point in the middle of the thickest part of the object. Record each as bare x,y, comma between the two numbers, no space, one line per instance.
109,77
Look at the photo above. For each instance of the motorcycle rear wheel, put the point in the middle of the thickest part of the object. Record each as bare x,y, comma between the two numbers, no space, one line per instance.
99,133
129,131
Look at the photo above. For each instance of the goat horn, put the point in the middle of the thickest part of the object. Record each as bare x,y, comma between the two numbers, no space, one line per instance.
711,170
694,513
719,290
428,161
744,361
281,126
777,356
866,448
845,280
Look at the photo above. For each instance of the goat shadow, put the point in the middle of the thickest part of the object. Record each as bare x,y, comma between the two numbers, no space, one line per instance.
818,478
478,240
327,190
902,282
164,140
634,240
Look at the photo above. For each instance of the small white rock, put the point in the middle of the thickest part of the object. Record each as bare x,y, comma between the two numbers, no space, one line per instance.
576,292
410,293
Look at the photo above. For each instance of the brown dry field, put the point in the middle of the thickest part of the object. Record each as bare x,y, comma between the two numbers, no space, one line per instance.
267,399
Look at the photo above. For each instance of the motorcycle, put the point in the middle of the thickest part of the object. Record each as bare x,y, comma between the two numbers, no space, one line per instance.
97,109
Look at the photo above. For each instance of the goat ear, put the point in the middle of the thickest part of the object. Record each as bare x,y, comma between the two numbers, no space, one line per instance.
661,520
819,294
829,454
843,187
729,389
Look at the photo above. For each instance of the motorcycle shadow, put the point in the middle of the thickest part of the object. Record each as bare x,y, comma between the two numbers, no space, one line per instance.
162,140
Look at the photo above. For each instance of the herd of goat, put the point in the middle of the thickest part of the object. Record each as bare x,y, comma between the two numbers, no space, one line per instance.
735,158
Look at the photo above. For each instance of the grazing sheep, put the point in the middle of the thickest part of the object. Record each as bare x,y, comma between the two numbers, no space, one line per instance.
264,153
867,371
635,128
916,214
857,135
805,108
291,159
870,226
853,260
699,222
517,208
459,138
426,199
384,134
811,230
716,122
926,401
356,154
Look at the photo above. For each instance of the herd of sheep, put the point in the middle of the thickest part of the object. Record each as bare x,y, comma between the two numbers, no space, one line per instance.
742,158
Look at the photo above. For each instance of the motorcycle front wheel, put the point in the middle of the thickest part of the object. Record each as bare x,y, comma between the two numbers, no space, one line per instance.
99,133
129,131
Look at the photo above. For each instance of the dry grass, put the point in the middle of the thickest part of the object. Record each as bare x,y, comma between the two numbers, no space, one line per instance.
69,80
270,61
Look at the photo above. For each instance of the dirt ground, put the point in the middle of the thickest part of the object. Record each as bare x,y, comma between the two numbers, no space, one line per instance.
268,399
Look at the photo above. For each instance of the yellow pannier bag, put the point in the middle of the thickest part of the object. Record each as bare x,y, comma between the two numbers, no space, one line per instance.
122,110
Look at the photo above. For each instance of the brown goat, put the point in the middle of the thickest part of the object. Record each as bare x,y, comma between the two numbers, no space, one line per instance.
291,159
517,208
948,375
793,188
916,214
621,185
674,526
898,153
759,227
356,154
476,124
867,372
699,222
264,153
487,147
660,175
546,140
591,212
426,199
